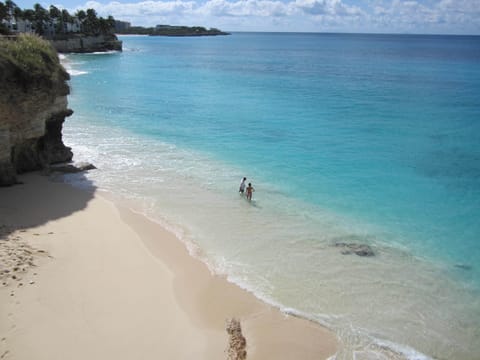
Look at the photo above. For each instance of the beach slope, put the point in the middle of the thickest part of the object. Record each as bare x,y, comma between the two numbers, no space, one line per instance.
83,278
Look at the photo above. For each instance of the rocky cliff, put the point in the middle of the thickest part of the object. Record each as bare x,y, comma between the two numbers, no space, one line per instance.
33,107
86,44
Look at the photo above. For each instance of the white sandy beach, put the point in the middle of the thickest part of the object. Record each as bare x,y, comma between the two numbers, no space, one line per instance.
97,281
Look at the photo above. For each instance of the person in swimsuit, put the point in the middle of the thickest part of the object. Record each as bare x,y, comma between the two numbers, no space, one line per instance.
242,186
250,191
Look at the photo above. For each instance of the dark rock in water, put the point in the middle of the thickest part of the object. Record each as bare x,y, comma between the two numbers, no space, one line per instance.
354,248
463,266
72,169
66,169
85,166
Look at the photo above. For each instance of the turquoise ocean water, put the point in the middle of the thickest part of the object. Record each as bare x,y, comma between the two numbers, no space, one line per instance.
369,139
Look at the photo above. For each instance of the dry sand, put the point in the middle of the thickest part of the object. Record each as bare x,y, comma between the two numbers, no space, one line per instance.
81,278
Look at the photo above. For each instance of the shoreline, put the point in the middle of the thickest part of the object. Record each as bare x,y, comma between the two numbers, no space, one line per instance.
136,293
366,296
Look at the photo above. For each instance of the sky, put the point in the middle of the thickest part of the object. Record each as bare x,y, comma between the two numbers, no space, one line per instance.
352,16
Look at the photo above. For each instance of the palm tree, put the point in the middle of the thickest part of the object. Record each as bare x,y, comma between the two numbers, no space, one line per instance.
81,16
103,26
29,14
17,13
10,6
56,17
54,12
3,11
91,22
111,23
66,16
41,16
3,16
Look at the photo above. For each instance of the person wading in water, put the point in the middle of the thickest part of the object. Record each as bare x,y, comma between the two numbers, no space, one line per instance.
242,186
250,191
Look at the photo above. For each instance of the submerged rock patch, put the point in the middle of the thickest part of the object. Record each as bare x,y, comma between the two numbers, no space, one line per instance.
355,248
464,266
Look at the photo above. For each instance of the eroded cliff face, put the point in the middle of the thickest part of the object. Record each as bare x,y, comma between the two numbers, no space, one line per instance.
33,107
87,44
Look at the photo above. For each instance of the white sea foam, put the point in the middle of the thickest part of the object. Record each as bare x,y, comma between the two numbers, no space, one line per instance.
73,72
127,49
73,68
109,52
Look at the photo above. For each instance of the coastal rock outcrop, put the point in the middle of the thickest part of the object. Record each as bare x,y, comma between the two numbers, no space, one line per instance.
78,43
33,107
72,168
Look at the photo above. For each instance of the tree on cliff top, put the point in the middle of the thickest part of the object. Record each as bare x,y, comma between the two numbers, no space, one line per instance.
3,15
44,20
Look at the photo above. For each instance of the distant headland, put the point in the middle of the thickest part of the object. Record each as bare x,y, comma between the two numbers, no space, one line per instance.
166,30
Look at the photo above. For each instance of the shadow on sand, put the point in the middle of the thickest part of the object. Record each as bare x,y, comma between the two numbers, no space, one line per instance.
38,200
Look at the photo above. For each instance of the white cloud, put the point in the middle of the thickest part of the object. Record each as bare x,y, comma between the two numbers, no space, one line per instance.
461,16
142,8
314,7
245,8
448,16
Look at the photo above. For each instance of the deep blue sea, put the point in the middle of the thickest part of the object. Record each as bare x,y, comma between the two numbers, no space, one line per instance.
347,139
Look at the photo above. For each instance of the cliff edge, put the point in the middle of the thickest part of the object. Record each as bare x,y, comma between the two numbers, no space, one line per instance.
33,107
79,43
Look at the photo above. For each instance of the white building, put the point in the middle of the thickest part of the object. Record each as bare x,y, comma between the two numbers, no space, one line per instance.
24,26
72,27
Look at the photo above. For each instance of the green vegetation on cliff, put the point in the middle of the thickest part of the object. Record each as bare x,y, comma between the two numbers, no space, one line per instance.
28,59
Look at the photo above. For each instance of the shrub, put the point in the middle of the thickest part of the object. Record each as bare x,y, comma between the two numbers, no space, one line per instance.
29,58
